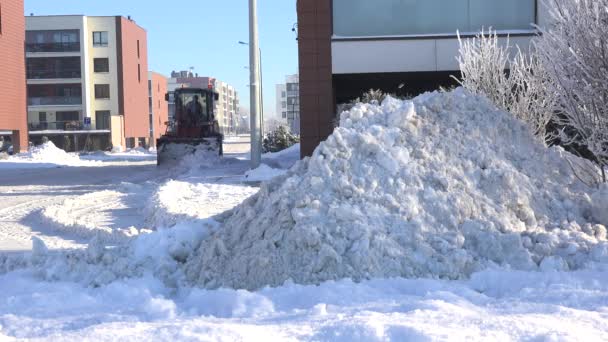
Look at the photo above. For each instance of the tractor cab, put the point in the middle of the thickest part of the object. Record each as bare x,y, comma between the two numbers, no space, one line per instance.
192,125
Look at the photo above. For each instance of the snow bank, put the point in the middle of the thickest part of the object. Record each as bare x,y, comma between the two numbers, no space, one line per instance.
263,173
48,153
183,201
439,187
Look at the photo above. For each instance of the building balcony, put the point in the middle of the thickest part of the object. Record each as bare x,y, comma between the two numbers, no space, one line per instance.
73,125
53,74
55,101
52,47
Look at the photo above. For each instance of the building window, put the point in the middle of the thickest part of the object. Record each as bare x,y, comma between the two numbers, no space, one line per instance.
364,18
139,73
102,91
102,119
101,65
138,48
283,104
100,38
0,18
284,115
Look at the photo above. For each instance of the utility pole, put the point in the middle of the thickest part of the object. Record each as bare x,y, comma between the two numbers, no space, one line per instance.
254,69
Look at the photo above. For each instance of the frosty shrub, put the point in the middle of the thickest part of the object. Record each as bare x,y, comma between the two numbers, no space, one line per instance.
279,139
517,84
574,50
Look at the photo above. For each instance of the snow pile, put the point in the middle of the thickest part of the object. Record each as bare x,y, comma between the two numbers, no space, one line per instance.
263,173
442,186
182,201
50,154
600,205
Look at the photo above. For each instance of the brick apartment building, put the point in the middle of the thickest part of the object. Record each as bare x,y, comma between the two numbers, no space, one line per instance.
347,47
87,81
158,106
13,122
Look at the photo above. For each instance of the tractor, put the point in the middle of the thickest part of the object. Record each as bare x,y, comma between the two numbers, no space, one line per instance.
192,127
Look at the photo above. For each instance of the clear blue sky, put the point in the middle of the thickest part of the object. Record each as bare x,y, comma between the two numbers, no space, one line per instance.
203,34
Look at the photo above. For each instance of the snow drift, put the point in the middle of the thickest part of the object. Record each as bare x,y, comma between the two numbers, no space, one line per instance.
48,153
441,186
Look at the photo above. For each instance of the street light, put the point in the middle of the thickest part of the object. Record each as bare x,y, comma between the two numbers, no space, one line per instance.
261,88
254,77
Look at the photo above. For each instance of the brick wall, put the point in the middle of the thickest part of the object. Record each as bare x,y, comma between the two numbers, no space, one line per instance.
13,110
159,105
316,89
133,84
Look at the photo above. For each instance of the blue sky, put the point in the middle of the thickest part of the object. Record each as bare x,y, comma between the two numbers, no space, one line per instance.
203,34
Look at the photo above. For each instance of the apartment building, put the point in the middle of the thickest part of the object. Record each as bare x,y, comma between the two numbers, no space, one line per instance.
158,106
87,81
13,121
347,47
226,108
288,102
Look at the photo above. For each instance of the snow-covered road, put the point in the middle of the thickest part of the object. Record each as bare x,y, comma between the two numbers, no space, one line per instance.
24,193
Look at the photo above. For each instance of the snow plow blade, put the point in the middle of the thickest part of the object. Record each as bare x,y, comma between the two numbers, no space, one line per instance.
171,150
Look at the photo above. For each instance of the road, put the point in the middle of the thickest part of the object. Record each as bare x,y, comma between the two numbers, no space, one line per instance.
111,195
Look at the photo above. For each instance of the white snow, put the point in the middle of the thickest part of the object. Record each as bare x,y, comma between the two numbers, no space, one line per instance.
263,173
443,186
466,194
46,155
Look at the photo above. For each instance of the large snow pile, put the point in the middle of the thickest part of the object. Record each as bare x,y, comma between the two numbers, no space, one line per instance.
440,186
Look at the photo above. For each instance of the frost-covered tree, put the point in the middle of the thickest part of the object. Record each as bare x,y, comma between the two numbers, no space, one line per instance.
574,51
517,84
279,139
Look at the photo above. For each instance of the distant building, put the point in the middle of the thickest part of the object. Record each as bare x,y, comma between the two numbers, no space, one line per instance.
87,81
347,47
226,108
158,106
13,120
288,102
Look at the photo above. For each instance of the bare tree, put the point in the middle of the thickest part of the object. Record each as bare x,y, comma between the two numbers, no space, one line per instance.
515,84
574,50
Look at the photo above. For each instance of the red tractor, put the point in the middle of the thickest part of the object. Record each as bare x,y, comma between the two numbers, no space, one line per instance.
193,126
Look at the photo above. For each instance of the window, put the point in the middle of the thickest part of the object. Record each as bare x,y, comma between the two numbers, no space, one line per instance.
283,104
138,48
284,115
101,65
42,116
100,38
283,94
364,18
102,119
0,18
139,73
67,116
102,91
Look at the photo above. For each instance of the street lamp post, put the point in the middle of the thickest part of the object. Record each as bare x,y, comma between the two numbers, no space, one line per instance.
254,76
261,88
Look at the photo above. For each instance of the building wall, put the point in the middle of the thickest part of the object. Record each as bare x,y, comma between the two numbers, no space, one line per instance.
67,22
97,24
315,65
281,105
419,50
133,85
12,73
159,107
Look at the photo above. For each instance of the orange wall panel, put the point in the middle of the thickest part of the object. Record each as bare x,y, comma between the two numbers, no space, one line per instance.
13,110
133,78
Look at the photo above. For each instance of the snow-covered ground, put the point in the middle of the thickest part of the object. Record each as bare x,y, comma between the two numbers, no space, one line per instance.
143,222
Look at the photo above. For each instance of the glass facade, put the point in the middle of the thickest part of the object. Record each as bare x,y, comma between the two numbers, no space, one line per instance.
54,94
364,18
53,67
52,41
